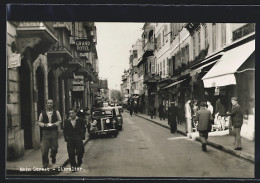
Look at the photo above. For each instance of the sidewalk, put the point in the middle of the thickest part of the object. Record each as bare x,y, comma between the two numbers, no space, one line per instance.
31,162
218,139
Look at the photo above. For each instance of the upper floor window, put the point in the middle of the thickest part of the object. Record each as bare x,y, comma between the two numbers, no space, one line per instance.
243,31
223,34
214,36
194,46
163,35
166,33
206,36
135,54
199,42
159,41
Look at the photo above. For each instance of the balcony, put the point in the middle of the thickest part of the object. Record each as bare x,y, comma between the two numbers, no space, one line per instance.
59,54
149,78
65,25
37,35
149,46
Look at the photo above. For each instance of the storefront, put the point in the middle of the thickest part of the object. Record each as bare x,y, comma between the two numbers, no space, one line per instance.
234,75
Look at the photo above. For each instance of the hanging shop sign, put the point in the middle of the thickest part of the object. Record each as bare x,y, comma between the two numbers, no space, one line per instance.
78,88
82,45
14,60
78,83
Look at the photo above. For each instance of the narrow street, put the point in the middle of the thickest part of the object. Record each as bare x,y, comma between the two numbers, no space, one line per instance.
144,149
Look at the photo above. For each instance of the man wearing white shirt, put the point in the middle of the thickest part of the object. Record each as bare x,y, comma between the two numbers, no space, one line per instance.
49,120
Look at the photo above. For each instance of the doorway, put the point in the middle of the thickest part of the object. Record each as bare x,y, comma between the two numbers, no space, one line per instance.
40,90
26,102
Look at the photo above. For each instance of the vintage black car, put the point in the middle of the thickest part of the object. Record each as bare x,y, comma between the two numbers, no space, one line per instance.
103,121
119,118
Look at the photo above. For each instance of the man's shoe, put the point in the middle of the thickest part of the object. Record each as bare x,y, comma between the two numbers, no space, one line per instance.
45,166
79,163
204,147
53,160
238,149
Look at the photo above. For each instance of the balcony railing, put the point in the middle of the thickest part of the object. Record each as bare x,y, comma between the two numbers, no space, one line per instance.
66,25
37,26
149,78
149,46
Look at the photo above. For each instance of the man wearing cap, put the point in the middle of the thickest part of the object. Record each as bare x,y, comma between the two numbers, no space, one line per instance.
237,121
203,117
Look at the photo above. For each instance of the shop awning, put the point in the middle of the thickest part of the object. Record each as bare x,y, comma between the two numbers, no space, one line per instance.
198,70
222,73
173,84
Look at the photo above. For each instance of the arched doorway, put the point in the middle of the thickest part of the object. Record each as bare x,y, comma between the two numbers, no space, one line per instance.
26,102
40,89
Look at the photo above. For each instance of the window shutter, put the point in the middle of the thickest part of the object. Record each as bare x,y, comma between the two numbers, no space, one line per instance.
166,32
152,66
168,67
155,43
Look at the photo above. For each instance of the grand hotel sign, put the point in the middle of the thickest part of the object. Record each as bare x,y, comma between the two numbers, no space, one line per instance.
82,45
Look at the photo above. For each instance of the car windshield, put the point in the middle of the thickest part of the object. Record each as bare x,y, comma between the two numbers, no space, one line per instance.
102,113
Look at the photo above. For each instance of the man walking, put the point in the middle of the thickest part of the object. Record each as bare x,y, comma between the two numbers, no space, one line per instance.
237,121
49,120
203,117
74,133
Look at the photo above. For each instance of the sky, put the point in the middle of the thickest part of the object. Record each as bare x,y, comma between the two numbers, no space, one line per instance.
114,42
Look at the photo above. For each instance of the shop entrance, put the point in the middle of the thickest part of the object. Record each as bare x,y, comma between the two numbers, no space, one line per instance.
40,89
26,102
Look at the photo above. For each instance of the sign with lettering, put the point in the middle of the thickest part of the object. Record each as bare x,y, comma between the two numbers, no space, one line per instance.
78,88
14,60
82,45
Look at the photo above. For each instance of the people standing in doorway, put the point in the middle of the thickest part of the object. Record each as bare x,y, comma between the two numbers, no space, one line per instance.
49,120
195,108
172,117
74,133
237,122
203,117
210,107
220,112
187,109
161,112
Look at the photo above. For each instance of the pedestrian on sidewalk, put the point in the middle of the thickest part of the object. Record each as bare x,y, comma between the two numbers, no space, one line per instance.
74,133
161,112
237,121
131,108
187,109
49,120
172,116
203,117
220,113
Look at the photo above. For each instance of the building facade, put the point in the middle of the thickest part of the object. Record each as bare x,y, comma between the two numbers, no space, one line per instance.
200,61
44,62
